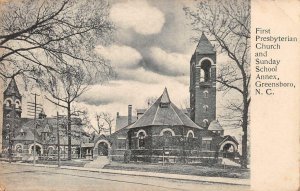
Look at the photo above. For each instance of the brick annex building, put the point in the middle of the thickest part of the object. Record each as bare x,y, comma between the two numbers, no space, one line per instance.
18,134
164,131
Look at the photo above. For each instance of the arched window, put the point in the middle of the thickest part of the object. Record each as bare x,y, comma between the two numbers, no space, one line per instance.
141,140
167,134
18,105
170,131
19,148
8,103
205,121
205,107
205,94
205,71
190,134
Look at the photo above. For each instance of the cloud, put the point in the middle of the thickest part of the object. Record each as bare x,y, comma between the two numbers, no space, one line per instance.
120,56
173,64
126,92
138,15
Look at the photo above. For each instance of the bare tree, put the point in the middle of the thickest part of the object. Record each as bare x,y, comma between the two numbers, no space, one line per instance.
104,122
228,24
39,36
65,90
150,100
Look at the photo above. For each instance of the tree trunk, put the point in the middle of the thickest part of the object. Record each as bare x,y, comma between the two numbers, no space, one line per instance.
244,160
69,132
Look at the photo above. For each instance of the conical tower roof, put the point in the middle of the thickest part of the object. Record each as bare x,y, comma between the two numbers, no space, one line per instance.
164,112
204,46
12,89
165,97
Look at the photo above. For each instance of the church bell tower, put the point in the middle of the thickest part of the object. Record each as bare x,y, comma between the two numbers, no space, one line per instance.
12,111
203,83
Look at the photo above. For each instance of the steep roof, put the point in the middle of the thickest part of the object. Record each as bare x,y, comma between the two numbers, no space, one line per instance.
204,46
215,126
122,121
161,114
165,97
28,135
49,125
12,88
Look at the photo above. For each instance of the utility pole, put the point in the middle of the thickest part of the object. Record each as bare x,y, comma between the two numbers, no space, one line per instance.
58,141
35,125
80,152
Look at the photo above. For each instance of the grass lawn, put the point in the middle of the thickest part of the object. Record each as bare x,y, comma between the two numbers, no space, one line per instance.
215,171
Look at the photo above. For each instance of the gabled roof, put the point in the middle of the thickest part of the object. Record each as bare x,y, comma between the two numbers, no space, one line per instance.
204,46
28,135
12,89
158,115
215,126
50,125
228,137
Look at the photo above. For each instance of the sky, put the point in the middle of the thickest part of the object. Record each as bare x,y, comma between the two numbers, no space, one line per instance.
151,50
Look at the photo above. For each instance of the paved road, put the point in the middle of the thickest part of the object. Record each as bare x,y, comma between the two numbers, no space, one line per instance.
23,178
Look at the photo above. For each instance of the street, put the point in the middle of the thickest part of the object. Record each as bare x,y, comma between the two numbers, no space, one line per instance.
19,177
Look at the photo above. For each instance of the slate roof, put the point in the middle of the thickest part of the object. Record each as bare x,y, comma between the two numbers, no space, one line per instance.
12,88
158,115
219,139
49,125
28,135
204,46
122,121
215,126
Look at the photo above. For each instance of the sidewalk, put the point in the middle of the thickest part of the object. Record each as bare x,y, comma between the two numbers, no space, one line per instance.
222,180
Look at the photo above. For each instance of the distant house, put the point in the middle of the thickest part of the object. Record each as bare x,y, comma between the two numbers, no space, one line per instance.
19,133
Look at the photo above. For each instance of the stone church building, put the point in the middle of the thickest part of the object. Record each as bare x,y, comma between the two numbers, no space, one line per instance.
165,133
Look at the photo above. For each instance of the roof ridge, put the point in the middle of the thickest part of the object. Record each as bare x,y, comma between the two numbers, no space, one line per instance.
155,115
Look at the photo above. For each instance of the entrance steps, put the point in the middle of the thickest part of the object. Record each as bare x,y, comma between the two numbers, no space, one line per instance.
100,162
30,158
228,162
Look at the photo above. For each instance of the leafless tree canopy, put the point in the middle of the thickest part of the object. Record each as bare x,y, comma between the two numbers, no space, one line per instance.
104,122
41,37
228,24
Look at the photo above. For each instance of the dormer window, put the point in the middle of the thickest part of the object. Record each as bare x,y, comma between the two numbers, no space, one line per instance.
164,105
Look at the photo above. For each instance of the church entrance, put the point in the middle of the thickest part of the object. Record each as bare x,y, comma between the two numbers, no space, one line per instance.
38,150
228,151
102,149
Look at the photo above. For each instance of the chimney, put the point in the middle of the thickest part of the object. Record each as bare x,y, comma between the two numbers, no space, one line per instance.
129,114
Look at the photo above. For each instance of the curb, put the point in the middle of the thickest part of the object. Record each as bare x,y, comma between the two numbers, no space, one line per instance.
219,180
